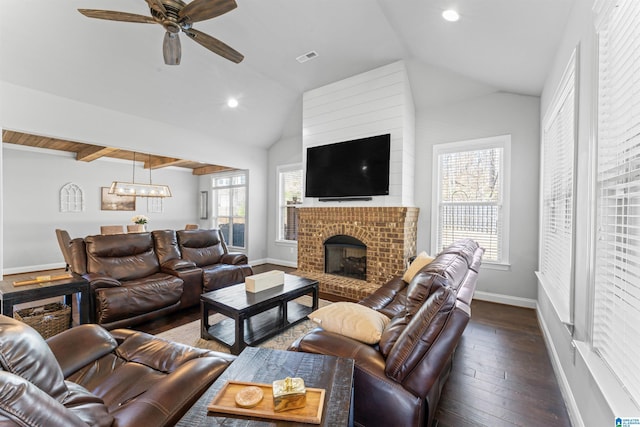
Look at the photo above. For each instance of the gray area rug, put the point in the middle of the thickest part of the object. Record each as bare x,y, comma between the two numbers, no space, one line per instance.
190,333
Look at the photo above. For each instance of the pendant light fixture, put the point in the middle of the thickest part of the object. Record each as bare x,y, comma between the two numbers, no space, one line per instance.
132,188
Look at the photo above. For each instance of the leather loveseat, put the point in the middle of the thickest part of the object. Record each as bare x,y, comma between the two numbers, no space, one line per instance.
398,381
138,277
86,376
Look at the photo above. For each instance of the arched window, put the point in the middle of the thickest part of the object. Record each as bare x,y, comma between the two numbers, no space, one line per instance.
71,198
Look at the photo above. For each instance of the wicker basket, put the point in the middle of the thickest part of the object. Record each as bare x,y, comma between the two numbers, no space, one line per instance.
48,320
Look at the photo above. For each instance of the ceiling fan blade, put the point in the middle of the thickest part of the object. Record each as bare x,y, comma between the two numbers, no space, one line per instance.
215,45
201,10
171,49
117,16
157,6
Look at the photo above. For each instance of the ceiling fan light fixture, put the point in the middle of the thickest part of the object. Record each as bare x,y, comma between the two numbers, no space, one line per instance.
451,15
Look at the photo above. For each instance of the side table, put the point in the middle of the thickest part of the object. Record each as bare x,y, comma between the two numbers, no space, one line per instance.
12,295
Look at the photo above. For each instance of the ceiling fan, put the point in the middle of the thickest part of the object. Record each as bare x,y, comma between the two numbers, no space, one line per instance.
176,16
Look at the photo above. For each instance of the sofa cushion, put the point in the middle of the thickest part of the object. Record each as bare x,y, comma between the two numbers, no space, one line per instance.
416,265
204,247
422,329
137,297
221,275
25,353
352,320
122,256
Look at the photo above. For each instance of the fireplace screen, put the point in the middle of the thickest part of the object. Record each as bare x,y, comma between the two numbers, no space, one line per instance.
345,256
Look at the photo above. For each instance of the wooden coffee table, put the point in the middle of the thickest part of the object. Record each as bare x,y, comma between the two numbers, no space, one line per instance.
260,365
255,317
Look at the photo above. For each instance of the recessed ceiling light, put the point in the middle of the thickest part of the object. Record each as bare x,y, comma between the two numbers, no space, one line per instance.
450,15
232,103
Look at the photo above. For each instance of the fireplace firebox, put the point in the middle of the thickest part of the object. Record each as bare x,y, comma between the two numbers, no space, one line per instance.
345,256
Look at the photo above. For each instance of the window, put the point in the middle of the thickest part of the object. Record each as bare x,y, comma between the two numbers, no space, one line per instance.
616,311
289,197
557,211
229,191
470,195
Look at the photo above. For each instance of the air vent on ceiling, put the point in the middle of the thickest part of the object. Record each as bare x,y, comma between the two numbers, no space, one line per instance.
307,56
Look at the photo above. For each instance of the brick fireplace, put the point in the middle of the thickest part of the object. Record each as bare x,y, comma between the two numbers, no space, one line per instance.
389,234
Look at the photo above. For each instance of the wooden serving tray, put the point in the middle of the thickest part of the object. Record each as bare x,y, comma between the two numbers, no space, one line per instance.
42,279
225,402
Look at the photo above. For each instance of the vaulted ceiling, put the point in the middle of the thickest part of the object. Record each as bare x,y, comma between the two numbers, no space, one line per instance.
498,45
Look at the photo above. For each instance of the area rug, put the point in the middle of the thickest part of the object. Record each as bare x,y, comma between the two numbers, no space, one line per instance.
190,333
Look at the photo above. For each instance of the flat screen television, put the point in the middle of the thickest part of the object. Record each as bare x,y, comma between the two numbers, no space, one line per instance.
357,168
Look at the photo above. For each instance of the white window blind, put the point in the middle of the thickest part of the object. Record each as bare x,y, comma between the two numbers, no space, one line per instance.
290,197
556,225
471,177
616,334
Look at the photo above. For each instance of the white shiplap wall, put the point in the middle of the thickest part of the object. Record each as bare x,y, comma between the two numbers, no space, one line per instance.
372,103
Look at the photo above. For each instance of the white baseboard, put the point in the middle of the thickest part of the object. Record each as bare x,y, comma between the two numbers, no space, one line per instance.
284,263
32,268
505,299
563,382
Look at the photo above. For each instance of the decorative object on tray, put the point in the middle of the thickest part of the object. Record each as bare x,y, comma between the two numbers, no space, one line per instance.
225,402
264,281
289,394
141,221
249,396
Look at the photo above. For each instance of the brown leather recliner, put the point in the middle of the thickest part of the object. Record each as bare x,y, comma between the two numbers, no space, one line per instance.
127,284
208,250
87,376
398,381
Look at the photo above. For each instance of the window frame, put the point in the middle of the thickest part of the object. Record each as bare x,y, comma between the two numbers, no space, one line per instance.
560,294
499,141
214,204
280,171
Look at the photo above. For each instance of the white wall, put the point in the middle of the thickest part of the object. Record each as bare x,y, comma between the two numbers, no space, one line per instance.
30,111
32,202
372,103
484,116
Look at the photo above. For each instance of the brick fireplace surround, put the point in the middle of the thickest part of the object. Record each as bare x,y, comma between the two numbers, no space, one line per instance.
388,232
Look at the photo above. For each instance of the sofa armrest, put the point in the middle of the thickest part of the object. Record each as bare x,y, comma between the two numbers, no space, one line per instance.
23,403
320,341
96,342
98,280
234,258
177,264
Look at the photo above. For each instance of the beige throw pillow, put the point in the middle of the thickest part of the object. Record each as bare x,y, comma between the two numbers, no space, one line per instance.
351,320
421,260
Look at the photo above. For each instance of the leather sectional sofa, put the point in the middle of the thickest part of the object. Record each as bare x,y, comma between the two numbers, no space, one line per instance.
138,277
398,381
87,376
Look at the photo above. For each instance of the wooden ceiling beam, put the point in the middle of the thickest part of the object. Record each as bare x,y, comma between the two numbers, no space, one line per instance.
205,170
162,162
93,152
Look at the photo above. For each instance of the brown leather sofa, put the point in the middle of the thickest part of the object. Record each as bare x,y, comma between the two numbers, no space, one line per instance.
137,277
86,376
398,381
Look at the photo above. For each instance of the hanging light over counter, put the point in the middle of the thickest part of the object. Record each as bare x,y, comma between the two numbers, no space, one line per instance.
135,189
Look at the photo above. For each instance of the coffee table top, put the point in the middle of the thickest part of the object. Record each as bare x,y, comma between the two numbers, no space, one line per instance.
237,298
260,365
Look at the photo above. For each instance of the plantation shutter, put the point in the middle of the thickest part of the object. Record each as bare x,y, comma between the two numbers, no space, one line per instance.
616,336
556,228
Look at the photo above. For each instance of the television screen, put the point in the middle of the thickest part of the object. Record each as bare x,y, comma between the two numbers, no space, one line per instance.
349,169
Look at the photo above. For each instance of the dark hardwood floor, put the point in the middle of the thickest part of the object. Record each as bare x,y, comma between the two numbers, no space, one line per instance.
502,375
